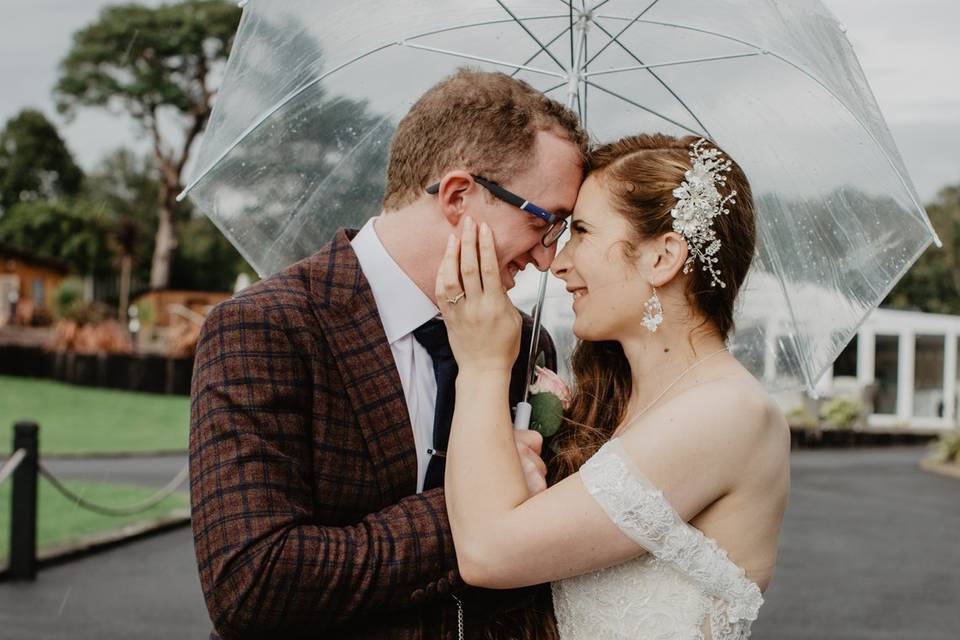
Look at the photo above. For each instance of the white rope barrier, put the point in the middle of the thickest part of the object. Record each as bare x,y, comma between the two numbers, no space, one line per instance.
128,510
11,465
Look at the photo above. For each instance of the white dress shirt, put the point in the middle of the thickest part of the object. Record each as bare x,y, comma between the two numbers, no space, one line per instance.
403,307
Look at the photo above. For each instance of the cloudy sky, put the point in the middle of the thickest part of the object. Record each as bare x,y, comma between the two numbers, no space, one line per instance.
908,50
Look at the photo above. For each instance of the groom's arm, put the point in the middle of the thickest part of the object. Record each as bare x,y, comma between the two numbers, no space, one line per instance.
266,564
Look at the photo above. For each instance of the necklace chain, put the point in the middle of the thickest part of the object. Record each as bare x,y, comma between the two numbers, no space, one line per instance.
676,380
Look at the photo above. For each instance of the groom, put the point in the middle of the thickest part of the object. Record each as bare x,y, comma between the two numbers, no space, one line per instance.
321,395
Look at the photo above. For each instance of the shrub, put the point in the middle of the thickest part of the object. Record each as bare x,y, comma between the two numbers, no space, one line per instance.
841,413
946,448
799,417
67,295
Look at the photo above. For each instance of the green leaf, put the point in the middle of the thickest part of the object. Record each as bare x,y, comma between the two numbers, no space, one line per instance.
547,414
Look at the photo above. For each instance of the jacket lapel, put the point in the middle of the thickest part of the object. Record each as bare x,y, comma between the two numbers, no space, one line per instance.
345,306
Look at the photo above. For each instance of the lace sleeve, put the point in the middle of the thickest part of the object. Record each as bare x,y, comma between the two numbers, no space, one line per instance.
643,514
631,502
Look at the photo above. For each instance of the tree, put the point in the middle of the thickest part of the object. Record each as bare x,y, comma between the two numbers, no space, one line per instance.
71,232
125,184
156,64
124,187
933,284
35,164
206,260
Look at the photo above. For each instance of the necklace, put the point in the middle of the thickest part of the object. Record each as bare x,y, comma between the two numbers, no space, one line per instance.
676,380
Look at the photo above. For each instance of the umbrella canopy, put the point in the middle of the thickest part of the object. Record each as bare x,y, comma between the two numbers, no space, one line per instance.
298,141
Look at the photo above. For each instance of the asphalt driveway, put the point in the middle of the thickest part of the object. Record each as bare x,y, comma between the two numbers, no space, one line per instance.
870,549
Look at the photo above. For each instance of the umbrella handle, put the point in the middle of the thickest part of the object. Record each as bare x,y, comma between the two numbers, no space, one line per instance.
521,421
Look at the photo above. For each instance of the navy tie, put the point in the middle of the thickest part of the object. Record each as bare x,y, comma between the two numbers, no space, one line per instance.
433,336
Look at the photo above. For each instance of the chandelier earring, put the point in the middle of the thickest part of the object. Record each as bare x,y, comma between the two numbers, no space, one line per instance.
652,312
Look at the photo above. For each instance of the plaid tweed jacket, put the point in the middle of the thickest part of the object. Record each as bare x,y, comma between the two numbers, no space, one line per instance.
306,519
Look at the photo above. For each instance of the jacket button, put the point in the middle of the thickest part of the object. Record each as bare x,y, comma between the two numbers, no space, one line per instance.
443,587
418,596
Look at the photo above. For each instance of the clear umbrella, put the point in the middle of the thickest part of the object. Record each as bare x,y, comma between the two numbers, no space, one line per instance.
297,144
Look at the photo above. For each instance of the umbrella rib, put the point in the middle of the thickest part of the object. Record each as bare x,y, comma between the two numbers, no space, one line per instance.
700,134
777,268
530,59
554,87
673,63
810,75
658,79
622,31
586,87
582,99
296,92
883,151
578,48
530,33
283,102
586,53
467,56
485,23
599,5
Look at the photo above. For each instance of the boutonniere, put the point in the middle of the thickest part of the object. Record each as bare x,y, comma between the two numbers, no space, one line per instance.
549,397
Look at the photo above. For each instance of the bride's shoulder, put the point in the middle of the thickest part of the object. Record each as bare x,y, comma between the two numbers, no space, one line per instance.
730,414
741,394
741,405
698,446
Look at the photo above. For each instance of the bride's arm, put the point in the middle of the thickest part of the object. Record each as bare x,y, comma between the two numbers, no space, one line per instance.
502,539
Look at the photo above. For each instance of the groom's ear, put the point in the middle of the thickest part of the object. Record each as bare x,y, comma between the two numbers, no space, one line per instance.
671,254
455,188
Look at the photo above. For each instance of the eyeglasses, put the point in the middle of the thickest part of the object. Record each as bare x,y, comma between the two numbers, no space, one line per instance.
557,224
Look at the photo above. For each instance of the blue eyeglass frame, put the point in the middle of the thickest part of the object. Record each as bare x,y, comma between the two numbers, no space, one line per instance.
521,203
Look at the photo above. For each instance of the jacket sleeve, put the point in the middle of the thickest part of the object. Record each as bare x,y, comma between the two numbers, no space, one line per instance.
266,565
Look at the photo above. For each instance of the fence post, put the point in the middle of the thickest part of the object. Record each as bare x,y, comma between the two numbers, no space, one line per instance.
23,511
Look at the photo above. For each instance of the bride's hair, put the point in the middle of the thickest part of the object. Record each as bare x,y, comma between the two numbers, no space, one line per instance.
641,172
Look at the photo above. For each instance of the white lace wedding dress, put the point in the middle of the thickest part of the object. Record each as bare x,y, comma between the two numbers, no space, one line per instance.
684,588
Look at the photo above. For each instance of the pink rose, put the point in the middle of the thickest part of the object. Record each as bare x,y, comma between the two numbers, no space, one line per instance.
549,382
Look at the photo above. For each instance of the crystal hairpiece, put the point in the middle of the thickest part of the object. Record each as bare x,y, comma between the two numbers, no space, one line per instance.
698,203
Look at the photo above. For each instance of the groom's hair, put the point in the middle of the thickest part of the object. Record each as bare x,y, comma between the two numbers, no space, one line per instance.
482,122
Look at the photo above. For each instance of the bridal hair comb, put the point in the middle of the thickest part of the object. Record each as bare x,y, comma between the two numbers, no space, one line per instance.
698,203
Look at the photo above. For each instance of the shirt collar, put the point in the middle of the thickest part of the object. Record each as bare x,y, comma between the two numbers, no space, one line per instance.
402,305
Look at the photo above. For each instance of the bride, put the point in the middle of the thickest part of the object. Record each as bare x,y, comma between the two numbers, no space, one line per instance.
671,473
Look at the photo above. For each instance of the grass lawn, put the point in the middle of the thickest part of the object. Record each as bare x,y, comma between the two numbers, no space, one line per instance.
77,419
60,521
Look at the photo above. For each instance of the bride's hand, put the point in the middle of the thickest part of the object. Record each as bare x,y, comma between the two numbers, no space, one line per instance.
483,325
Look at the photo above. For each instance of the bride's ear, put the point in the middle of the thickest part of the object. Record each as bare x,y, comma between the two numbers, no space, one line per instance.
671,254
